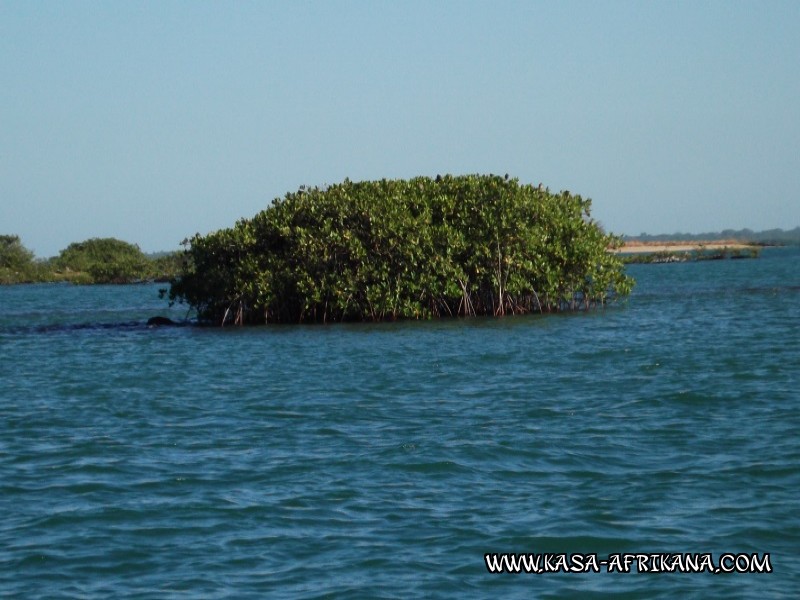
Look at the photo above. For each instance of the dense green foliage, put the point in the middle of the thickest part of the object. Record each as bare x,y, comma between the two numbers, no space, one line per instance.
105,260
16,261
97,260
163,266
13,255
471,245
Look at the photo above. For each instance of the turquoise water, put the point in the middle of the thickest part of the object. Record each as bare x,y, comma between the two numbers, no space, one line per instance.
384,461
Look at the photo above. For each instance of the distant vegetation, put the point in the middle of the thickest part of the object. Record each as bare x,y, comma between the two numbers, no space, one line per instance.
392,249
16,261
97,260
385,250
768,237
690,256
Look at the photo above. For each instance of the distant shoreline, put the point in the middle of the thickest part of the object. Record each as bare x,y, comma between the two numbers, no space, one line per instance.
636,247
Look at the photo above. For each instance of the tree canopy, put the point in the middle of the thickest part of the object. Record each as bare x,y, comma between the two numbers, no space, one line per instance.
392,249
97,260
106,260
16,261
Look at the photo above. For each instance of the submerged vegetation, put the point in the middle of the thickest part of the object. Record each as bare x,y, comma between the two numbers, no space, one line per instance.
97,260
392,249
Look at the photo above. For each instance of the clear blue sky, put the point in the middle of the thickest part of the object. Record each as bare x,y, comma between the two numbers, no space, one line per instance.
150,121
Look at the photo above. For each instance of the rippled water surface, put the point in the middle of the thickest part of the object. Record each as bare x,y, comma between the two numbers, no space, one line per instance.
385,460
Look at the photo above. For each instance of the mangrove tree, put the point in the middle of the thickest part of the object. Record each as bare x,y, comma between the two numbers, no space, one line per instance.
403,249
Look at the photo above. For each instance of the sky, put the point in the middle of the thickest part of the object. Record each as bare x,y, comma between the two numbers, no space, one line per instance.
153,121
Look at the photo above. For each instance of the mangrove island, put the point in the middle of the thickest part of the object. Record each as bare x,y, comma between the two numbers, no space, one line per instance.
403,249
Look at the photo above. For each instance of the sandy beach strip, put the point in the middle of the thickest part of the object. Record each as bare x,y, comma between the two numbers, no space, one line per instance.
654,247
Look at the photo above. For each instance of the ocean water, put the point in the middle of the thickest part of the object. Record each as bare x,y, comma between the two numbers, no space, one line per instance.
385,460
